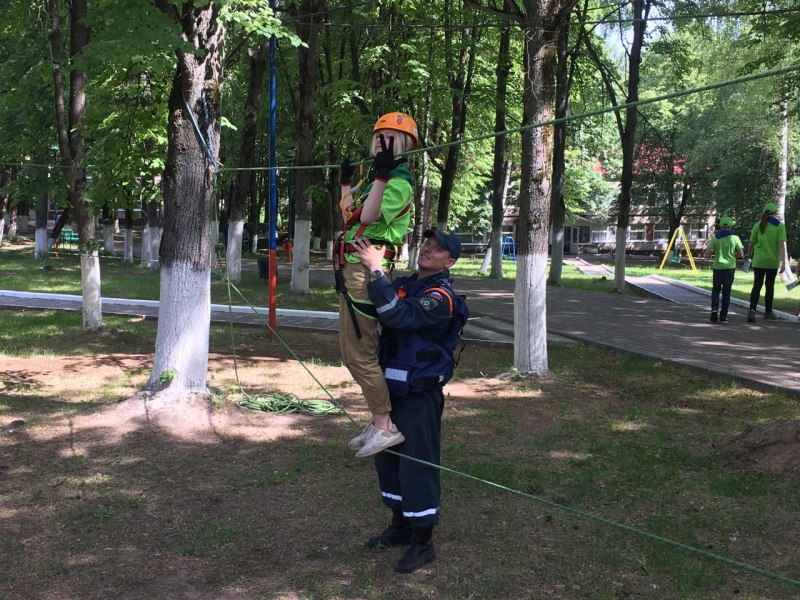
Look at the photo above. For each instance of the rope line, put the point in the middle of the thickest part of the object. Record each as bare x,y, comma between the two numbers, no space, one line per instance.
273,401
538,499
569,118
290,403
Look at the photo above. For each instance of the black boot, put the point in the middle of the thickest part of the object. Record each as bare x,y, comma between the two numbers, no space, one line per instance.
420,553
398,533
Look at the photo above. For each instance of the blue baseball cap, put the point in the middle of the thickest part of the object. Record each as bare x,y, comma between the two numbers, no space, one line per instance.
447,240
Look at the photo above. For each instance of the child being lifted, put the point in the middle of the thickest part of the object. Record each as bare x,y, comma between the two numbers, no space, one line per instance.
379,212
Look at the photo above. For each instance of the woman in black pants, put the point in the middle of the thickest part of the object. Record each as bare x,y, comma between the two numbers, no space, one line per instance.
767,248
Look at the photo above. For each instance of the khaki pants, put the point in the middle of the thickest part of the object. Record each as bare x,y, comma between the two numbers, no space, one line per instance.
359,355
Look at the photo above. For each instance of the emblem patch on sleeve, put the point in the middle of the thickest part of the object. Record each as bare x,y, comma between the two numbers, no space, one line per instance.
428,303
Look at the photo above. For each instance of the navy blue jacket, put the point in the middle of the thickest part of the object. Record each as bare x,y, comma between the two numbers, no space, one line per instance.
422,321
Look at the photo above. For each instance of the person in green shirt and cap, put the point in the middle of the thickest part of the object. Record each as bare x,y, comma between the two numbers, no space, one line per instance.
726,247
767,248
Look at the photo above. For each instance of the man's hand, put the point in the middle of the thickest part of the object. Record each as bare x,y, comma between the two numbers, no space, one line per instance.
385,162
369,255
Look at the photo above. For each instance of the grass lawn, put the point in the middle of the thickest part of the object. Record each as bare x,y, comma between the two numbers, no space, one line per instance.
19,271
742,284
276,507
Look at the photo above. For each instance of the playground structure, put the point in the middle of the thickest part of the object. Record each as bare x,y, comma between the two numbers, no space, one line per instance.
676,258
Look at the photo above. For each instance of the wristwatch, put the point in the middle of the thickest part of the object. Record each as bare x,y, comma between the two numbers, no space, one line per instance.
376,273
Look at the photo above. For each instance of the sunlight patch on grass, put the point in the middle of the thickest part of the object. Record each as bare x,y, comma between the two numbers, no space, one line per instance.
624,426
569,455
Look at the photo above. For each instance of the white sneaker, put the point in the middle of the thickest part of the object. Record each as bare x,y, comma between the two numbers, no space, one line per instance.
358,442
379,440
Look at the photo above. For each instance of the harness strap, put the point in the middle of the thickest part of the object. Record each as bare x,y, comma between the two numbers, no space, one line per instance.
387,254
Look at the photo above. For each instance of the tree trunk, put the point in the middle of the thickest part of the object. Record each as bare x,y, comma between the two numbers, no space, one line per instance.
783,175
558,209
144,256
128,247
63,219
530,309
181,354
72,149
40,245
498,167
497,230
12,221
247,151
4,200
108,231
308,30
460,89
154,232
641,9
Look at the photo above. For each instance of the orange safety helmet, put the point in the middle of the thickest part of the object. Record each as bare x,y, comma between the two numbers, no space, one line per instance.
399,122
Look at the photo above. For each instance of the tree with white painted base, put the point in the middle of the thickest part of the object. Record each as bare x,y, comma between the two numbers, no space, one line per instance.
72,148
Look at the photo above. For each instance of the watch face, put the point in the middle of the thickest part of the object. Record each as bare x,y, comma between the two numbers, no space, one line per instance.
377,273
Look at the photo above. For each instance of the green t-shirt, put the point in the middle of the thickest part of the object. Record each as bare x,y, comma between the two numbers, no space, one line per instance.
392,225
765,245
725,249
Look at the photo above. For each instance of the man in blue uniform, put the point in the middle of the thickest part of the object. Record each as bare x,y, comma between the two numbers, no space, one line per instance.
421,319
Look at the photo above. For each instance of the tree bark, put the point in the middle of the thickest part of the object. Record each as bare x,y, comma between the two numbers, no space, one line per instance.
498,167
4,201
181,354
540,31
496,250
641,10
72,149
40,245
247,152
308,19
558,209
12,221
128,246
421,193
108,231
154,232
460,90
783,176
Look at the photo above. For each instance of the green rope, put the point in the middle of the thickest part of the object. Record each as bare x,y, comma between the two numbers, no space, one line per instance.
549,503
289,403
274,402
610,523
593,113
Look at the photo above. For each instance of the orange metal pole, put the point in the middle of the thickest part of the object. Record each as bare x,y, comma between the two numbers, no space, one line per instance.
273,284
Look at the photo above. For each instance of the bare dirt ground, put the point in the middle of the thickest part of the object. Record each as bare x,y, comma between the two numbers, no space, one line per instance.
101,499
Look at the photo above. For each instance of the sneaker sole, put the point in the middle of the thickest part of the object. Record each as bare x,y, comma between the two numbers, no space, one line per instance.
388,444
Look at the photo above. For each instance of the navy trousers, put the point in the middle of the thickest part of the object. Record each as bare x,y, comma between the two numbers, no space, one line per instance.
761,277
723,281
405,484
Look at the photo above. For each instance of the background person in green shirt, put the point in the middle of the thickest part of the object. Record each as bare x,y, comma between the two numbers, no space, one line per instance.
767,248
726,248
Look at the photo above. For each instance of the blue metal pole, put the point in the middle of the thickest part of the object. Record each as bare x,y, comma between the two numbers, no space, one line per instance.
273,183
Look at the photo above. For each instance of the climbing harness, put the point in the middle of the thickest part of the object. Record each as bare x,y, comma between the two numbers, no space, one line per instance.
352,214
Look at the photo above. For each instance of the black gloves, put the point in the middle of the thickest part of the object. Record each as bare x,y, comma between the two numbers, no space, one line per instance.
385,162
347,171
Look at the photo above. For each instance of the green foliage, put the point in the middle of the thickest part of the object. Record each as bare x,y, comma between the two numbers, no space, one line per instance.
167,377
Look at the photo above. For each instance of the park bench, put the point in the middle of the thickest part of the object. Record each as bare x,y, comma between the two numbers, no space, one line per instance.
68,237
